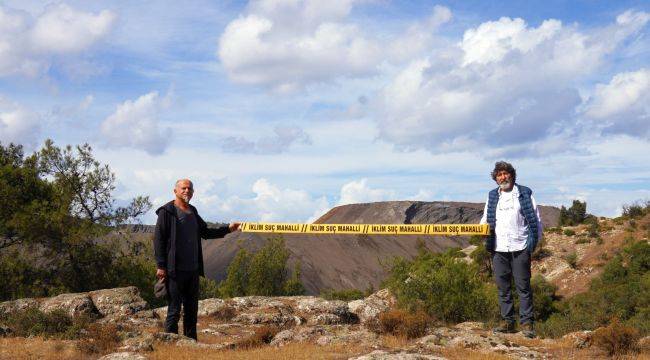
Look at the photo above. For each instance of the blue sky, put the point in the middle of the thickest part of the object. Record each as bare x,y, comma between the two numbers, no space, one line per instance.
281,109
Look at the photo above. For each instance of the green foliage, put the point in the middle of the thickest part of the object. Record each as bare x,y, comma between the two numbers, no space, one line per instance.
483,260
208,288
262,273
60,209
569,232
544,298
345,295
574,215
622,291
236,281
443,286
34,322
636,210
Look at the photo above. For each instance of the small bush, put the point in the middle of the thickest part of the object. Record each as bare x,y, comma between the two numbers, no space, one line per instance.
569,232
636,210
599,241
345,295
616,338
100,339
445,287
263,335
34,322
583,240
403,323
572,260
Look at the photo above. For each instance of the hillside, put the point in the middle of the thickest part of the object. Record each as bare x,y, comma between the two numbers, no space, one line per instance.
355,261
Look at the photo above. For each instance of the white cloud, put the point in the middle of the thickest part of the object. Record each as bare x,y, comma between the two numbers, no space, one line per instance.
505,85
359,192
287,44
135,124
270,203
280,141
18,124
28,45
623,105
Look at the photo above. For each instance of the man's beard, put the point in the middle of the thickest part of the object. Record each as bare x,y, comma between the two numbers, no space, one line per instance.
505,185
186,198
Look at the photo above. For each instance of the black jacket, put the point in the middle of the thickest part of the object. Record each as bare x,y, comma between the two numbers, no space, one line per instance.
164,239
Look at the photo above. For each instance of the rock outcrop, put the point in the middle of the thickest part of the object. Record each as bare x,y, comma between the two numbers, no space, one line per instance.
299,319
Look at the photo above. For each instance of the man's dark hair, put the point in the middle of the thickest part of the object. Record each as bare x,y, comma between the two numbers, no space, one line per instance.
502,165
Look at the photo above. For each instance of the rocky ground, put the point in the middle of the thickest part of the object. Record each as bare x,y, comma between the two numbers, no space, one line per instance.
303,327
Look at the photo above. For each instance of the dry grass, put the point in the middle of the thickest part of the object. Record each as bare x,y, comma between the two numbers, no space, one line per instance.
38,348
101,339
291,351
402,323
262,336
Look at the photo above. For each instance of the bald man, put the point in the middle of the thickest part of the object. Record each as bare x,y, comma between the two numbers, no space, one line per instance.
179,258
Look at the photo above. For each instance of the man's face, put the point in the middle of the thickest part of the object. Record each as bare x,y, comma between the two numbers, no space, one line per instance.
504,179
184,190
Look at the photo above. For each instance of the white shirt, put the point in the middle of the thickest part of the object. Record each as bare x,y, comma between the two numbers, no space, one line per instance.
511,228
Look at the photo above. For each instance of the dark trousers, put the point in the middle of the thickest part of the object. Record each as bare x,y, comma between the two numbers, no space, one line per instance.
506,266
182,289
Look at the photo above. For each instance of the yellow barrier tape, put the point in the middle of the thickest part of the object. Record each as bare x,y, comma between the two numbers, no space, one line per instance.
370,229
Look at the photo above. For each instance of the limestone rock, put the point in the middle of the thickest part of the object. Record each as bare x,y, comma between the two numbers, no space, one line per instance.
118,302
369,309
580,339
385,355
210,307
73,304
143,342
126,355
320,311
17,305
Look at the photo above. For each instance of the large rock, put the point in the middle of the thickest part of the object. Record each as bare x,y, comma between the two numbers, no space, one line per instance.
325,312
118,302
126,355
17,305
73,304
369,309
402,355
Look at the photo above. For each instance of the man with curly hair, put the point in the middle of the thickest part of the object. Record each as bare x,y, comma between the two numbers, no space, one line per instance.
515,230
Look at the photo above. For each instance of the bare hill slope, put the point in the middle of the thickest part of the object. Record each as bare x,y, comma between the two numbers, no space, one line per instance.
355,261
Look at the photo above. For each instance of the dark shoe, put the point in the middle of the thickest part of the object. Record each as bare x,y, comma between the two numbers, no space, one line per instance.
528,330
505,327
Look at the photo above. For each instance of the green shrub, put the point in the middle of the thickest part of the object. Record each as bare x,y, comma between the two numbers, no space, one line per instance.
208,288
574,215
569,232
636,210
34,322
583,240
622,291
443,286
263,273
345,294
